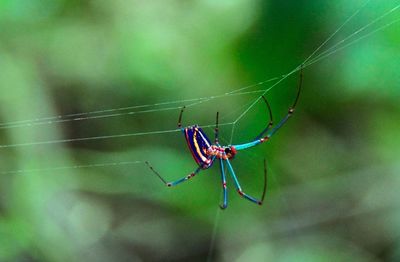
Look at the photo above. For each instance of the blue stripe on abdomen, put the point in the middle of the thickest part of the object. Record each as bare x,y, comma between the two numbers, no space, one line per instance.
198,144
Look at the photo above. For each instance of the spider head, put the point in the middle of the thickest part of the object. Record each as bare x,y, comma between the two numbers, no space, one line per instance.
230,151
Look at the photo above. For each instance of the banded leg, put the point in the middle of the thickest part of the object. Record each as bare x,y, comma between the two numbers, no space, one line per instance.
291,109
239,189
271,132
180,117
271,121
176,182
216,130
222,168
223,178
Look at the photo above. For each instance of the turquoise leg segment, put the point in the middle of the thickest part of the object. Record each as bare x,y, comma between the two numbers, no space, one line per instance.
279,125
186,178
223,178
183,179
239,189
247,145
261,140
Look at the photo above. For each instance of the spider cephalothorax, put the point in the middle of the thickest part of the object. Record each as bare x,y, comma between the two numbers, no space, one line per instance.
221,152
230,152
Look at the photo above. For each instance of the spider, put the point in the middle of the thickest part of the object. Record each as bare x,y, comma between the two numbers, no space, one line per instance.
205,153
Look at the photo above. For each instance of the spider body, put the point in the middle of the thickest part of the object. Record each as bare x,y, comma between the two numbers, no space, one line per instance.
205,153
202,150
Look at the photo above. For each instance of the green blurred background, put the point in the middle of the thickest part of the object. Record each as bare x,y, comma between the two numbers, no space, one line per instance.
333,169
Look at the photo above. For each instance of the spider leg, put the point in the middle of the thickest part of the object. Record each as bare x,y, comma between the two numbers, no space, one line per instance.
223,178
176,182
221,165
216,131
183,179
180,117
271,132
239,189
291,109
271,121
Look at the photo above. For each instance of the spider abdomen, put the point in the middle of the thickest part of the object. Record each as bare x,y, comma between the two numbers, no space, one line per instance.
198,144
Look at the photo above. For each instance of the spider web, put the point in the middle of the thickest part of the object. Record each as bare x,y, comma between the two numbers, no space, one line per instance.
261,88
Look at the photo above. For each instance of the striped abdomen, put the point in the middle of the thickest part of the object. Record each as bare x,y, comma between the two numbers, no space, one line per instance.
198,144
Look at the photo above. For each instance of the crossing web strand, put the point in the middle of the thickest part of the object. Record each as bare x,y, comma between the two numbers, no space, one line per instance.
326,54
335,48
340,45
79,139
115,113
49,169
316,56
107,111
167,105
336,31
164,106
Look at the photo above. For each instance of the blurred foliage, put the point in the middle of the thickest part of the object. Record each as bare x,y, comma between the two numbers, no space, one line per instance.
333,169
